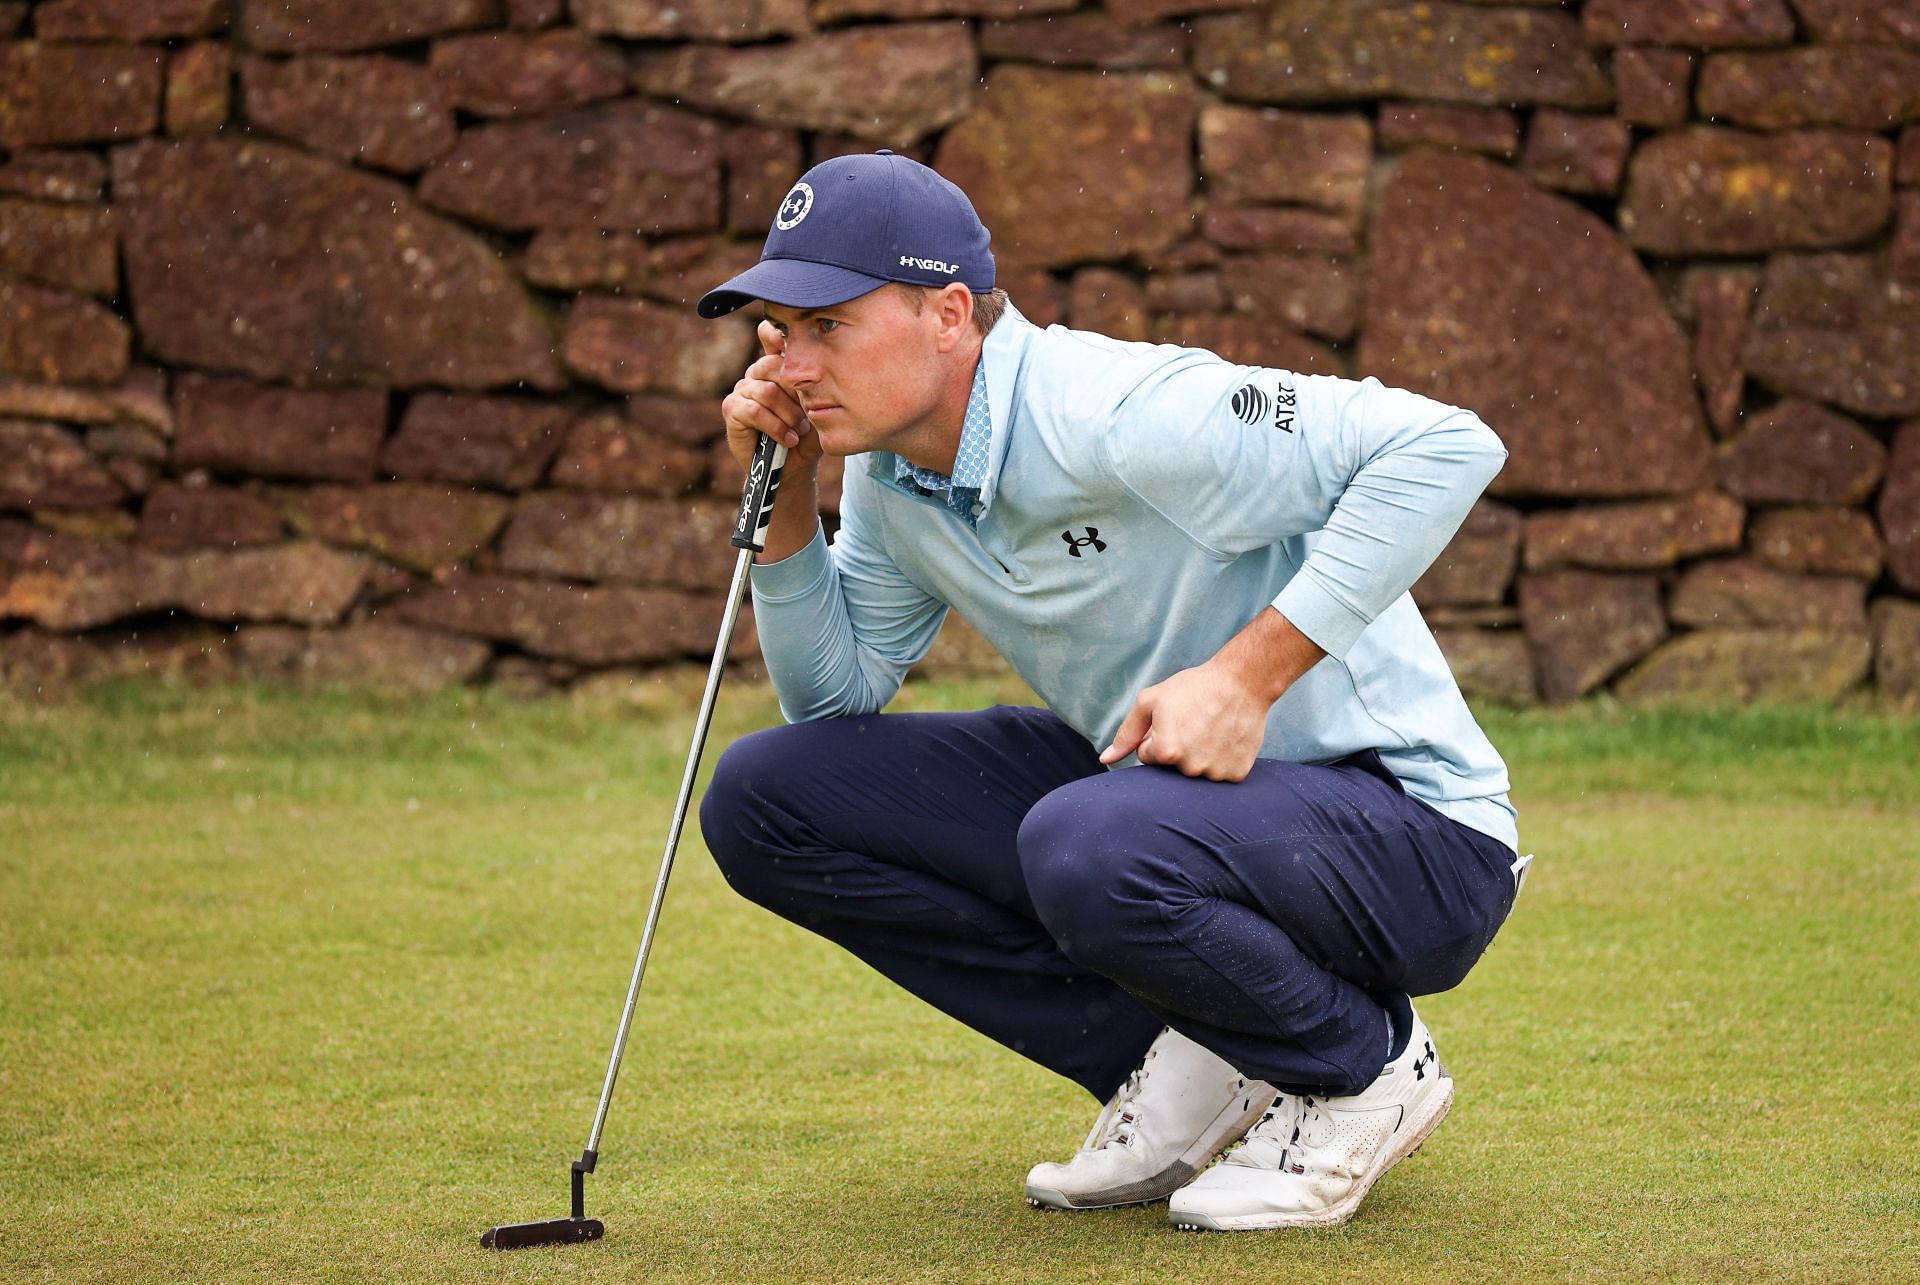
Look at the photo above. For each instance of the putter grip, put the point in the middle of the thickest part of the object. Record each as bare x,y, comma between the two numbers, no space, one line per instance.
756,501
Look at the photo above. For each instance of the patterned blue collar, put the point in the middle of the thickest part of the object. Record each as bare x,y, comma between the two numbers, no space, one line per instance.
961,491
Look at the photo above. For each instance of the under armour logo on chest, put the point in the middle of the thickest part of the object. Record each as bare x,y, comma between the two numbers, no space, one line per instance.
1092,538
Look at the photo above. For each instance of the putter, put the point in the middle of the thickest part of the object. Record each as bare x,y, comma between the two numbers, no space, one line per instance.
750,537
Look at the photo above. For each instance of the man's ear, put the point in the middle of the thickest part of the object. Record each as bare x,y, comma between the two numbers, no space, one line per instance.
953,313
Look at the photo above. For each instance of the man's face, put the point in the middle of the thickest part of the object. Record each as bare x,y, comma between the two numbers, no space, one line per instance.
865,371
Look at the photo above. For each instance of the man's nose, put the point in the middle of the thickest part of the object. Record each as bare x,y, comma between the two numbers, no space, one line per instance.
797,366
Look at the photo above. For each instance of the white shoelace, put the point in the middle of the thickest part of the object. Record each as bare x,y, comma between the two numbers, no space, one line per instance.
1271,1142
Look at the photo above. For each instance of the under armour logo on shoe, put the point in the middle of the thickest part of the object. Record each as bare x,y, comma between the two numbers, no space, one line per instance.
1421,1063
1092,538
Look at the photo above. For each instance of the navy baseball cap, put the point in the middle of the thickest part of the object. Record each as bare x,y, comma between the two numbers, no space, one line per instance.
854,223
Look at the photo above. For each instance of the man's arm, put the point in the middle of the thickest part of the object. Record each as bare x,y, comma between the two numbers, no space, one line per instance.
1209,720
1385,476
838,627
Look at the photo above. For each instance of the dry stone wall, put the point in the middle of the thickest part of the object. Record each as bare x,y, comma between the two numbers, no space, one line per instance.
352,340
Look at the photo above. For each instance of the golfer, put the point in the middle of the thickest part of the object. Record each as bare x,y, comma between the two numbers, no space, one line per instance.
1254,817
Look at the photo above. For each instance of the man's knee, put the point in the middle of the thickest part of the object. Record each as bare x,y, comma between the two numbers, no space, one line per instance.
1090,870
741,817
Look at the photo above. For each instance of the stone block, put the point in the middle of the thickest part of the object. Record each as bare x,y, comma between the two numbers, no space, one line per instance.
237,426
1085,40
720,20
762,164
581,536
1722,300
1827,542
1750,666
1797,452
1861,21
53,665
377,110
635,166
1696,24
1185,291
531,15
1145,11
374,656
73,247
62,583
1108,302
1735,593
55,95
199,95
54,176
130,20
631,346
45,466
221,278
1580,154
1654,87
139,398
510,74
1837,328
593,626
1492,130
692,421
175,518
1314,293
503,442
676,271
1642,535
1907,159
1477,565
1251,156
1123,189
1320,51
1585,626
1896,647
827,83
1491,664
1857,86
13,16
1035,292
347,26
1899,509
607,451
1904,257
1709,191
60,338
1288,230
1250,341
1520,281
421,526
830,11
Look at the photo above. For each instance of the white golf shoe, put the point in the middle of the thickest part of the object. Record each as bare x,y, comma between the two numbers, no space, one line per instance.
1164,1125
1310,1161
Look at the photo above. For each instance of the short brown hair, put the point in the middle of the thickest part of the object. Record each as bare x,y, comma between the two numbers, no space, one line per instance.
987,308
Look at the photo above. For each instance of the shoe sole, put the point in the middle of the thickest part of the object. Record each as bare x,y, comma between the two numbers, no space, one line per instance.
1337,1213
1168,1180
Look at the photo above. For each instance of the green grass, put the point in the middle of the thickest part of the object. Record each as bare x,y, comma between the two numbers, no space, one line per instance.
317,988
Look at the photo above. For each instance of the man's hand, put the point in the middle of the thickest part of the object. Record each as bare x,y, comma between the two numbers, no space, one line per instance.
1201,721
1210,720
760,404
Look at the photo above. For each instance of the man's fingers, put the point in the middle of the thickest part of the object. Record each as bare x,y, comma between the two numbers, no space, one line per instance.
1133,730
772,342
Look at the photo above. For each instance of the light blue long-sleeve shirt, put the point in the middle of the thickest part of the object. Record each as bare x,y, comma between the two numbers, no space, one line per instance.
1142,504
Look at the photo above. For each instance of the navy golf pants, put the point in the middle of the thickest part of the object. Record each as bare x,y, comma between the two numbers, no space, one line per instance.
988,863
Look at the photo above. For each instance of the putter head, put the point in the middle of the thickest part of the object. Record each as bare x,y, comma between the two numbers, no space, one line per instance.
554,1231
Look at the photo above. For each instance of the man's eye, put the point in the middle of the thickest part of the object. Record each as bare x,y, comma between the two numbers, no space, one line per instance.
828,325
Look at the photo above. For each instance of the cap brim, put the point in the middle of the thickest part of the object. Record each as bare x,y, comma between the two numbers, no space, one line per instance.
791,283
